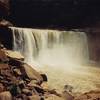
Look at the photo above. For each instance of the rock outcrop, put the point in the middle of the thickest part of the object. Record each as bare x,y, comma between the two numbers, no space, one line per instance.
20,81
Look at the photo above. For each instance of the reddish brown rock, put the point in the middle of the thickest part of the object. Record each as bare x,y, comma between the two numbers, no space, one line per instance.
14,55
4,66
5,95
32,73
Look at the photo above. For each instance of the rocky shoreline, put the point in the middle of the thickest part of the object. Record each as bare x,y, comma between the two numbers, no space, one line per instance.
19,81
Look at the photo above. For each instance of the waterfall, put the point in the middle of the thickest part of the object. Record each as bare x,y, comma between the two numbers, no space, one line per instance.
51,47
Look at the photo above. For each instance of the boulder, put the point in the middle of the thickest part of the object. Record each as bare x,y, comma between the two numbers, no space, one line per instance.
68,88
14,55
44,76
5,95
32,73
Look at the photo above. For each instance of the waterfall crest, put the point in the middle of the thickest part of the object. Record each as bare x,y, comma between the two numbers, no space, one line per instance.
51,47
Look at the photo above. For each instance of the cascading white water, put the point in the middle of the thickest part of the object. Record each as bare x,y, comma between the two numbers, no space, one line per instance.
51,47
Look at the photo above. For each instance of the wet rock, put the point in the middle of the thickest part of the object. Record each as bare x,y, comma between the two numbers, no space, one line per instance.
14,55
5,95
44,76
68,88
32,73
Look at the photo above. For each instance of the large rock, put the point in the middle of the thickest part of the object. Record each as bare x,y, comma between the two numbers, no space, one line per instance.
32,73
44,76
15,58
5,95
14,55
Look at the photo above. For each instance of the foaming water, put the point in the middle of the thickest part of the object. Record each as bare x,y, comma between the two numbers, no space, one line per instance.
51,47
60,54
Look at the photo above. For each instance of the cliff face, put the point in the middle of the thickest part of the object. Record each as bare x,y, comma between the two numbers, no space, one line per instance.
4,8
55,13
